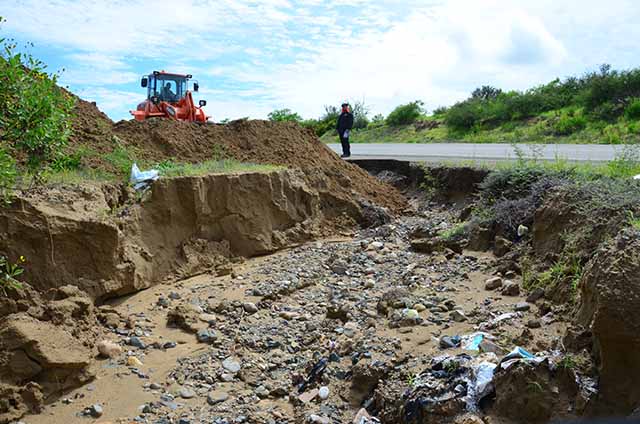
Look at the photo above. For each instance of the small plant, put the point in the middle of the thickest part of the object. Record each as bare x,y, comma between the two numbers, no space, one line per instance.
9,273
568,362
412,379
632,111
451,366
634,221
454,232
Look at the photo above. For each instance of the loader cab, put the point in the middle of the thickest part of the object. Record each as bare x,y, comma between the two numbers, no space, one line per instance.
165,87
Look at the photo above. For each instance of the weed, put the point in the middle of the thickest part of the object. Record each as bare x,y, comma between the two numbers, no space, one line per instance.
454,232
568,362
634,221
10,272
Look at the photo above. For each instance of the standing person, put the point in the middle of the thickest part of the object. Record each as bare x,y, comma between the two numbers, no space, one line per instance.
345,123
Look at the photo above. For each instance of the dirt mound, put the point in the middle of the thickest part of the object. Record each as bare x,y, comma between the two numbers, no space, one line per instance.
262,142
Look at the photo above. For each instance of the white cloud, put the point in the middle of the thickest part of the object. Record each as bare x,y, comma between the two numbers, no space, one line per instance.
255,56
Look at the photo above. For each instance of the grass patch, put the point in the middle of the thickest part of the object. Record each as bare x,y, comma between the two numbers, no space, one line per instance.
225,166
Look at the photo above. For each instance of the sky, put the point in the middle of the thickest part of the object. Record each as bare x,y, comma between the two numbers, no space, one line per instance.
252,57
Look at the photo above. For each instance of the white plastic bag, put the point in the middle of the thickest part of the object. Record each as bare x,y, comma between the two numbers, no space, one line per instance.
141,179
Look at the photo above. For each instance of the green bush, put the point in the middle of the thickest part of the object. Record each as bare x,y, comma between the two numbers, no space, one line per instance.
405,114
283,115
34,112
463,116
632,111
568,124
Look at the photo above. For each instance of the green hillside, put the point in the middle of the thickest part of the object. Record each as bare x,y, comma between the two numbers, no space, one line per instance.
599,107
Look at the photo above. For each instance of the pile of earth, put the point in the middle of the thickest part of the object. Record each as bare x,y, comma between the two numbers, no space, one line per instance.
254,141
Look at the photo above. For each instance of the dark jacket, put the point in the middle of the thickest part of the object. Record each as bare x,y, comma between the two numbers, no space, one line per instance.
345,122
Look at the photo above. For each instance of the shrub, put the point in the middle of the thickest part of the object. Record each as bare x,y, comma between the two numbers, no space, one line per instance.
567,124
632,110
405,114
283,115
462,116
360,115
34,112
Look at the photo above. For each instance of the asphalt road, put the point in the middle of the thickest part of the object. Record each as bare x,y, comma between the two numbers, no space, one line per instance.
480,152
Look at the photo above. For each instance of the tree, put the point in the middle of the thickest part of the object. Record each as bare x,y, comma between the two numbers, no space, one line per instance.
486,92
282,115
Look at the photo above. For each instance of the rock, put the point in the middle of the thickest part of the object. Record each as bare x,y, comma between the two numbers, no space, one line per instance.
184,316
493,283
534,323
338,311
250,307
313,418
350,329
323,393
609,305
447,342
395,298
339,268
419,307
510,288
426,245
186,393
213,398
526,392
132,361
535,295
458,315
95,410
308,396
206,335
231,365
109,349
502,246
469,419
51,347
486,346
137,342
522,307
110,319
480,238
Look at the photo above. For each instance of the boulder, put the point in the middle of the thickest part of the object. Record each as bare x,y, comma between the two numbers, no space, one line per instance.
609,305
501,246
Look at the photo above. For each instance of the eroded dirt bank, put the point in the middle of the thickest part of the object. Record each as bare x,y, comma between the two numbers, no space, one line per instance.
414,319
107,243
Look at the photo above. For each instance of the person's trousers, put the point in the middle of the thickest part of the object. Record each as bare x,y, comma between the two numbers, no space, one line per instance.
346,147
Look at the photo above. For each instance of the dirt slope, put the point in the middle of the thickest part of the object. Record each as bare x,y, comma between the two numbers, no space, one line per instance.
256,141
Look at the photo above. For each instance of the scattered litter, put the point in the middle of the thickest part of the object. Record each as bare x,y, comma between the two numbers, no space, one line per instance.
363,417
472,341
314,374
518,354
142,179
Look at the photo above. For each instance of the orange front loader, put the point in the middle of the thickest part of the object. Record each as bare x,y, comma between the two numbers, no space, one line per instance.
168,97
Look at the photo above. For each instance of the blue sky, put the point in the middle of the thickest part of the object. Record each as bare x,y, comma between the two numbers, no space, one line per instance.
252,57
